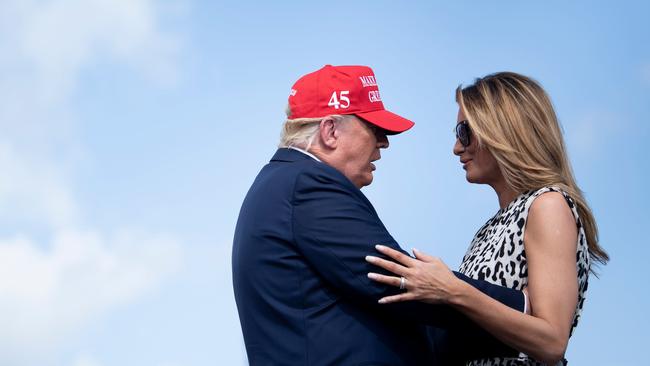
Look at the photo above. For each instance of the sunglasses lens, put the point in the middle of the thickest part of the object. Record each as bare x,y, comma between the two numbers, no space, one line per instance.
463,132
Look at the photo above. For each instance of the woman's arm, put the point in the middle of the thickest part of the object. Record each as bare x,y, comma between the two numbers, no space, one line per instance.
550,243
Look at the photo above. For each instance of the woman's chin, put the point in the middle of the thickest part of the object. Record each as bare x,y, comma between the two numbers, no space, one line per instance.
472,178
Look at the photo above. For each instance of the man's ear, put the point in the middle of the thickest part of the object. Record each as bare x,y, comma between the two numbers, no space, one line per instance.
328,134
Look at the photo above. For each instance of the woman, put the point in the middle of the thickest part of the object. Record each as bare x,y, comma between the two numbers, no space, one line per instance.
542,239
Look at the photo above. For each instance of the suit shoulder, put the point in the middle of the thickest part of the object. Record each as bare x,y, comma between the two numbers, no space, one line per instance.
322,174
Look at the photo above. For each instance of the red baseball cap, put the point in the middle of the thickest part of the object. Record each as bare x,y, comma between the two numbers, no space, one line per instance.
343,90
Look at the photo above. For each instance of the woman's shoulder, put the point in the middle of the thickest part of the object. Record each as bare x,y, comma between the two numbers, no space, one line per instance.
548,200
550,211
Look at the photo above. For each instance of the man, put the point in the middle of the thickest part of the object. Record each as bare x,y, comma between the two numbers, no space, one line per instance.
304,229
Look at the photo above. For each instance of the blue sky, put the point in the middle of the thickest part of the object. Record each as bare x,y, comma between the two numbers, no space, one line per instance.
133,128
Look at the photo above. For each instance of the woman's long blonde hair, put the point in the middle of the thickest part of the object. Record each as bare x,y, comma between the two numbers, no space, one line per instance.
512,116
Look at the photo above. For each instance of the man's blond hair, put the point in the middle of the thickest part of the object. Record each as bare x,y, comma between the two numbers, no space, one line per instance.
301,132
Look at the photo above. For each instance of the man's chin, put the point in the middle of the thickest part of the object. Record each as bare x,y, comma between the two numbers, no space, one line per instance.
362,180
367,180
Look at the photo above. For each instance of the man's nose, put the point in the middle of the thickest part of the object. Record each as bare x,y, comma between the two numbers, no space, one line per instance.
382,141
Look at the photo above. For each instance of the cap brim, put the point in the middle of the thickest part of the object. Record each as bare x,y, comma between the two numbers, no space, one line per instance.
389,121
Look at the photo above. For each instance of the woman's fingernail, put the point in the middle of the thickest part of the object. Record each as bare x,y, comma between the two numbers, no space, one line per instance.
381,301
372,276
379,247
370,258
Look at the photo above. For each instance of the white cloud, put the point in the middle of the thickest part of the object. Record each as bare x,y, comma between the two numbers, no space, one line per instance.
46,294
45,47
53,40
34,190
85,360
57,272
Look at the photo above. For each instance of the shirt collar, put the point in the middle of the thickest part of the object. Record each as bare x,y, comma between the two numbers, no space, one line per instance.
305,152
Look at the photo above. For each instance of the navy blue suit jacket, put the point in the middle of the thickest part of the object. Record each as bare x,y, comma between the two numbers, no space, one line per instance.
300,277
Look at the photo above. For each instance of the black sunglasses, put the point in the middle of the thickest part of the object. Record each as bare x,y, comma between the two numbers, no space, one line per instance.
376,130
463,133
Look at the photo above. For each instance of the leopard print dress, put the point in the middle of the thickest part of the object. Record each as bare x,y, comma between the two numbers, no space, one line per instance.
497,255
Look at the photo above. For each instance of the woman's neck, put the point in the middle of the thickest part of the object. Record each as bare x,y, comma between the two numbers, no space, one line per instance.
504,193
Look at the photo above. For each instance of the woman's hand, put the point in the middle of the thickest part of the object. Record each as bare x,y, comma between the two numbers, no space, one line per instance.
426,278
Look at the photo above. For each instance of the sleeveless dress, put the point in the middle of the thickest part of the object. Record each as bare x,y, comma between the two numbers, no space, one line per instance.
497,255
